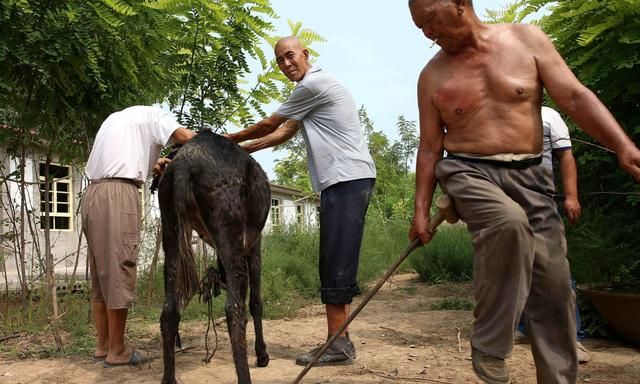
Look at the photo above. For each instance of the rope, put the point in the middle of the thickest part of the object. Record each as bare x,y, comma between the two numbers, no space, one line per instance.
210,287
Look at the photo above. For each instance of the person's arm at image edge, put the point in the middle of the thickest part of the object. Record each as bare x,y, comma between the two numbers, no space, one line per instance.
180,136
258,130
569,174
284,132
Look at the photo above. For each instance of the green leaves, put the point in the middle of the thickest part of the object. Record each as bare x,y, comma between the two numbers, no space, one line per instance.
599,40
67,65
120,7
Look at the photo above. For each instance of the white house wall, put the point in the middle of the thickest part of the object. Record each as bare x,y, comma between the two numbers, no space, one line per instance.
64,243
288,213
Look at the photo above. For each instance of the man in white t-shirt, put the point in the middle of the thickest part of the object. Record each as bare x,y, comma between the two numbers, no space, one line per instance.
557,145
341,168
125,150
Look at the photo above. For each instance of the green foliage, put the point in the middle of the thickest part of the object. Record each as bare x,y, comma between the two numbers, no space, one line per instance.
290,282
510,13
212,44
292,170
395,182
290,262
17,318
67,65
448,257
600,42
452,304
383,242
290,256
592,323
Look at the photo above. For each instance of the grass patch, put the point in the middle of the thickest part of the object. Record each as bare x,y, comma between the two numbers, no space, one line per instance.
452,304
290,281
448,257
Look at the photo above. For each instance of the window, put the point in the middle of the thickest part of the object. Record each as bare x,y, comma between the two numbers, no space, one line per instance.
300,214
275,212
60,197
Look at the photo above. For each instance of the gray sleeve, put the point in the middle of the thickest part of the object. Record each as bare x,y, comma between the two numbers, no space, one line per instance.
302,101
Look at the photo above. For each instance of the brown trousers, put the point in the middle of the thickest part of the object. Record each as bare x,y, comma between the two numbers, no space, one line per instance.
519,262
111,214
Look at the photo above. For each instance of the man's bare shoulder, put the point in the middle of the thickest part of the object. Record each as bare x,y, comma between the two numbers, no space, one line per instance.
527,33
437,61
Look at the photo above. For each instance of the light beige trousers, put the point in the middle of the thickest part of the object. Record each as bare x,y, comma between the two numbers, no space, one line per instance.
111,224
519,262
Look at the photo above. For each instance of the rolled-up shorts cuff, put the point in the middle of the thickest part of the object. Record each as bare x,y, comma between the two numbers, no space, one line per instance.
339,295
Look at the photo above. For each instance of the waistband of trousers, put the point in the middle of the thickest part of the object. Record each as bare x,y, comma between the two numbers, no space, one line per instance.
122,180
511,161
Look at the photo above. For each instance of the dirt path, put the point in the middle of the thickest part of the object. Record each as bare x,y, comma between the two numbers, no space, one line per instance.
398,339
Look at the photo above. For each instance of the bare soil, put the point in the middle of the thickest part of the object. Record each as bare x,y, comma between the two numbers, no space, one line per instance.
399,339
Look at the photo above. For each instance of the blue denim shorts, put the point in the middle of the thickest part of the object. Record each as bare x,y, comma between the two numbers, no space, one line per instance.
343,208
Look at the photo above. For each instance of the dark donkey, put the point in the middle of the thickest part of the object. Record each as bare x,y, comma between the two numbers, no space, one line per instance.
213,187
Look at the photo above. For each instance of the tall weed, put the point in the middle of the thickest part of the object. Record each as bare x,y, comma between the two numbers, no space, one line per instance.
448,257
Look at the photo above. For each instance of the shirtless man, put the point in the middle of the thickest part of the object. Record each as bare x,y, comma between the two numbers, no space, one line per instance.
485,86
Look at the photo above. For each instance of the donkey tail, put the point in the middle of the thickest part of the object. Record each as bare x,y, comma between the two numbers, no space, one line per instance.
187,276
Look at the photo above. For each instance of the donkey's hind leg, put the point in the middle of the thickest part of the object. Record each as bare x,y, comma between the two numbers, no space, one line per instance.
170,317
256,303
231,254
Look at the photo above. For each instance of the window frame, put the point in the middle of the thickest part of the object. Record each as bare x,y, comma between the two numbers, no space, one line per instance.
275,211
300,214
53,204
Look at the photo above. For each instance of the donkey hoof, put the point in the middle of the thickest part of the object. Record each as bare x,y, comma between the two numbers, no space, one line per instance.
263,361
171,380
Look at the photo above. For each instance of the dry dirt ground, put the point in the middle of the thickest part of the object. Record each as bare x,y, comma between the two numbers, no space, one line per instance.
398,339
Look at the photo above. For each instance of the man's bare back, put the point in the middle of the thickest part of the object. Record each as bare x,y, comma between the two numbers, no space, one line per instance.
488,97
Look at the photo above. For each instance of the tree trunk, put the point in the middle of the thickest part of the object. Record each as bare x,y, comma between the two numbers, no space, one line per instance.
154,263
75,264
55,318
10,210
22,248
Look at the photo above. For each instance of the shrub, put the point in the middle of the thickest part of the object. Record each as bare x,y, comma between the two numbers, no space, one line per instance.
452,304
290,262
448,257
383,242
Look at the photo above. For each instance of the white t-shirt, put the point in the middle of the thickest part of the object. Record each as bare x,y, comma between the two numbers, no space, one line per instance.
128,143
336,148
556,136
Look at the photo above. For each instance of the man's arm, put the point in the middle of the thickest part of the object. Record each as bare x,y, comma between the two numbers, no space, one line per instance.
569,173
429,152
260,129
180,136
283,133
580,103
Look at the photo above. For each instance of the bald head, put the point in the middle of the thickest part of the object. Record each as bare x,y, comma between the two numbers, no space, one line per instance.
292,58
470,2
289,41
